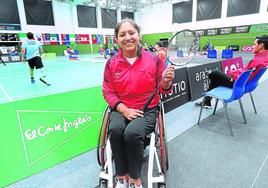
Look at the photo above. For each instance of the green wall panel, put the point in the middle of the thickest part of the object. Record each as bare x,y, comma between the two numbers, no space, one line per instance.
225,40
151,39
259,28
242,39
58,49
82,48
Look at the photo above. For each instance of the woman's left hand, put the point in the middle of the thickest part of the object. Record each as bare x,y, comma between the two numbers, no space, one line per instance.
168,76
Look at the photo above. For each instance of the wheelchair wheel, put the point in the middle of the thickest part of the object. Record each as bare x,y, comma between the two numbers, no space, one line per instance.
103,183
101,157
162,142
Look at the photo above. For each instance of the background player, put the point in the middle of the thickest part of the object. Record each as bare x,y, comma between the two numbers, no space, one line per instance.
32,51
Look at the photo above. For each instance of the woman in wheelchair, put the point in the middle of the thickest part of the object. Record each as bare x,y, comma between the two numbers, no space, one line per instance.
130,78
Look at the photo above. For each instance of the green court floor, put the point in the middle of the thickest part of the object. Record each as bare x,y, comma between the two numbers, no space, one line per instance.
62,73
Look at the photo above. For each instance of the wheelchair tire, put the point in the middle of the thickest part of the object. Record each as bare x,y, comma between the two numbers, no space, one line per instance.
103,138
103,183
163,143
166,150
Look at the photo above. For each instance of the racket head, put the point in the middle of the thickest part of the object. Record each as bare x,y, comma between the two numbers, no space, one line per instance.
182,47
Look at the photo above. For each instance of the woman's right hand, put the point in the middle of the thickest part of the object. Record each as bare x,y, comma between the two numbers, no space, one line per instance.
129,113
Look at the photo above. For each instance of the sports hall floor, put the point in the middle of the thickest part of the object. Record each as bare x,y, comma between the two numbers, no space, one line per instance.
204,156
62,73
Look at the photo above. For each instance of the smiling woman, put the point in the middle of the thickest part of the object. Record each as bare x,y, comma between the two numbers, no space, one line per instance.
130,77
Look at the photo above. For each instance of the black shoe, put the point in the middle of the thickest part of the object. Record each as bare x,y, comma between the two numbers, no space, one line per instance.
207,105
44,82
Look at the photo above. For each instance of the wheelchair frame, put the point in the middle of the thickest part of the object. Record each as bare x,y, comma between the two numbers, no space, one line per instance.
157,152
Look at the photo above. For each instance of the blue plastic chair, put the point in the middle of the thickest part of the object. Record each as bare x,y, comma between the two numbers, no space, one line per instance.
227,54
212,54
228,95
252,85
179,53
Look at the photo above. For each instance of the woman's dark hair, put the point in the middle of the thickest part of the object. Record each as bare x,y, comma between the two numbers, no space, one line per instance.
159,43
30,35
119,24
263,39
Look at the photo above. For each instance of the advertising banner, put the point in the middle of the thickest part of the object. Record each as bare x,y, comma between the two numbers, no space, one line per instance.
259,28
10,27
198,78
180,92
247,49
230,65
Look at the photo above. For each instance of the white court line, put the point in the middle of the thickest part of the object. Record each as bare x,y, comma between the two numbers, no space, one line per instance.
254,181
5,93
22,137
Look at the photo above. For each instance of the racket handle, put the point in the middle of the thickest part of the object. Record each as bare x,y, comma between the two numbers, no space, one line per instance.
148,102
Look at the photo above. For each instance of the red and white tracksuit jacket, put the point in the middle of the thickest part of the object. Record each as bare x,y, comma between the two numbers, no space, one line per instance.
132,85
259,61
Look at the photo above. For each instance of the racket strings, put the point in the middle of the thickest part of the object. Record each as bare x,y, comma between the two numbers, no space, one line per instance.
182,47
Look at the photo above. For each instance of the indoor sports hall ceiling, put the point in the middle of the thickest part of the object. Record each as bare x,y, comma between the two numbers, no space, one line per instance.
125,5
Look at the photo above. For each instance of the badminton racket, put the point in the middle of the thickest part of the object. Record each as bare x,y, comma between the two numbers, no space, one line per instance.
181,50
182,47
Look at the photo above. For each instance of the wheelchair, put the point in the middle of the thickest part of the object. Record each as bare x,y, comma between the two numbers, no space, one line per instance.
158,152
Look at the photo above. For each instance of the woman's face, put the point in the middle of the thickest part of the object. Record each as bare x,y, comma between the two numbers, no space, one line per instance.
257,47
128,38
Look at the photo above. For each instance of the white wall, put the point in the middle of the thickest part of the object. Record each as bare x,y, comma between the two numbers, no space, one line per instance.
153,19
65,19
158,19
